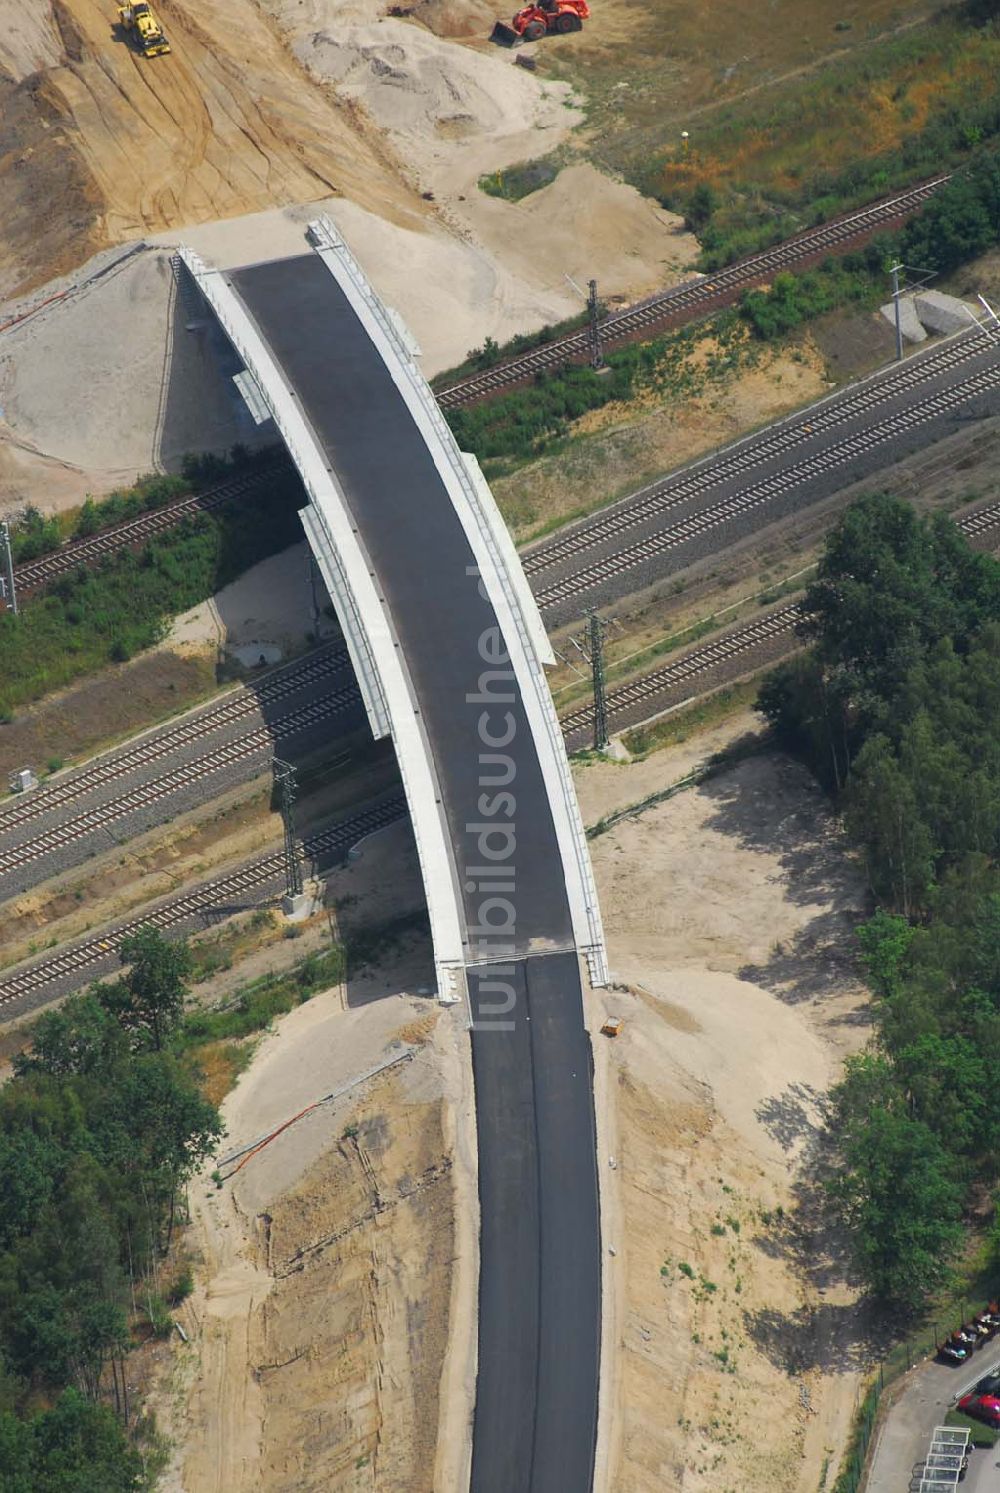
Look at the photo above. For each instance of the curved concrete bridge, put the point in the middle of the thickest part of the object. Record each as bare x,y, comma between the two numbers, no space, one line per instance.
450,651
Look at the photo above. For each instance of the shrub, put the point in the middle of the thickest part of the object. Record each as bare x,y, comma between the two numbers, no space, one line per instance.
181,1286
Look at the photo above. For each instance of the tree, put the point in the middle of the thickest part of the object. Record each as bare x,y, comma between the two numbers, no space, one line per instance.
884,814
901,1202
701,205
75,1447
149,1001
81,1037
885,942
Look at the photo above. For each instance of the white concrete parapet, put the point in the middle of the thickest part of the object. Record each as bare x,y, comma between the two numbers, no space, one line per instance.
377,660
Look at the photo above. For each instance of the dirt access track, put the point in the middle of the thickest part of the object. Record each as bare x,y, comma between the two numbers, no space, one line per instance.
98,145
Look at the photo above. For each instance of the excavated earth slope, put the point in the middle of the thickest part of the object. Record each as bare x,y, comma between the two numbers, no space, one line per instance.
99,145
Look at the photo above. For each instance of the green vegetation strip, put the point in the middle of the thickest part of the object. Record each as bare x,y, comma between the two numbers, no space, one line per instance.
90,618
522,425
106,1119
961,221
896,708
34,535
902,110
981,1436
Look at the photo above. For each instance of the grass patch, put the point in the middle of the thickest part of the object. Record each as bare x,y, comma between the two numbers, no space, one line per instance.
34,535
682,724
521,180
257,1004
478,359
219,1066
802,150
524,424
220,951
218,1039
90,618
980,1435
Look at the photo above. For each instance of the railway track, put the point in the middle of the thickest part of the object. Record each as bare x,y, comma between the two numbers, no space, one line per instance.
212,899
705,475
290,680
688,299
755,495
632,698
741,643
96,547
703,660
693,297
259,743
252,744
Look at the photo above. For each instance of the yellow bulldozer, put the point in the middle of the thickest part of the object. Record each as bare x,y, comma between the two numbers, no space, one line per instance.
140,24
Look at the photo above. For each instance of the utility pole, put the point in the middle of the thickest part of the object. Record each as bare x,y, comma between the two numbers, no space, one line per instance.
595,631
284,777
7,580
916,280
596,356
894,272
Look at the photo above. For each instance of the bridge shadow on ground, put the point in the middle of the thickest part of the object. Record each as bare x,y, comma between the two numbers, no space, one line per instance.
199,408
378,912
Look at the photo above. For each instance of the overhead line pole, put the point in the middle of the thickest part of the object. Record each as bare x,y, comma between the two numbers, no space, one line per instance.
594,329
7,584
894,272
284,777
596,638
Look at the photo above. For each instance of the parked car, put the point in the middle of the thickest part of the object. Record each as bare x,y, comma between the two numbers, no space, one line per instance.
985,1404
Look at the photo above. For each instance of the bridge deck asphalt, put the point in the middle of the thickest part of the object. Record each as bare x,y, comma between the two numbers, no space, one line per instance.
421,556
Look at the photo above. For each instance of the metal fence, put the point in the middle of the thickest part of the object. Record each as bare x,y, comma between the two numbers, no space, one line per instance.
899,1361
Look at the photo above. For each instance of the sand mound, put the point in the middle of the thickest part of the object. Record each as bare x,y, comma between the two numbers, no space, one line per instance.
458,18
455,114
585,225
412,84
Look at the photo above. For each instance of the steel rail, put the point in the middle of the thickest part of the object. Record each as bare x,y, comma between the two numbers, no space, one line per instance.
701,660
705,474
694,296
212,897
760,493
707,657
91,550
257,743
289,680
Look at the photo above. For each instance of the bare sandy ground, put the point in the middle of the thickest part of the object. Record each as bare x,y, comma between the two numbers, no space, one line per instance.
259,119
456,113
320,1329
339,1266
621,447
108,384
728,910
29,39
266,613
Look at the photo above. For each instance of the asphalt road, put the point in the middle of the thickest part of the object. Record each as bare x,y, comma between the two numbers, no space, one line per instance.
921,1405
540,1288
539,1334
426,572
